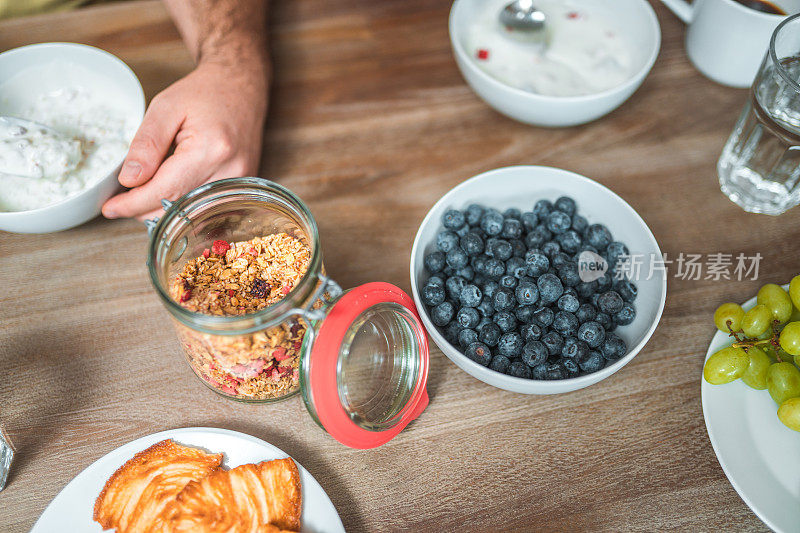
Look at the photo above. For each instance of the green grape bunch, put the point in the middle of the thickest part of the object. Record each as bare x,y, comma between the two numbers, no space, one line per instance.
765,353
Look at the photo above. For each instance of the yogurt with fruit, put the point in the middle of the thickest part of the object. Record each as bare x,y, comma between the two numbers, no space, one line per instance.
86,137
582,53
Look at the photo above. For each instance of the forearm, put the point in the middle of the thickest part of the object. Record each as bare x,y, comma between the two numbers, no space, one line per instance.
224,31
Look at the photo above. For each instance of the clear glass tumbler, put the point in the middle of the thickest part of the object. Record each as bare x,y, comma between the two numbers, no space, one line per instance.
759,168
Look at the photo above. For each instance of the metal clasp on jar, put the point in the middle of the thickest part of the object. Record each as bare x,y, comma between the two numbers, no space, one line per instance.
327,293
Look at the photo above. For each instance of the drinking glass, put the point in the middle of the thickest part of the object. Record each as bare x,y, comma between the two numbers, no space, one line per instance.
759,168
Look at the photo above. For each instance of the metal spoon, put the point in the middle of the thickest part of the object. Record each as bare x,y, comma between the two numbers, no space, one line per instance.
522,15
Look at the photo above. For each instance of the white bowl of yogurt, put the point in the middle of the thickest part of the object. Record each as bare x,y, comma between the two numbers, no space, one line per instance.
94,104
597,53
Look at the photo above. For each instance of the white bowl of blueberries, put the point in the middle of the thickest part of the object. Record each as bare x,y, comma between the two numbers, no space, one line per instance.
537,280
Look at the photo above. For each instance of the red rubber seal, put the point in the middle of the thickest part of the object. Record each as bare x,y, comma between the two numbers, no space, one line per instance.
325,358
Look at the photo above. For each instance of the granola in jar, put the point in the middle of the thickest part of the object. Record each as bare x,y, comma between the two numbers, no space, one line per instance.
237,278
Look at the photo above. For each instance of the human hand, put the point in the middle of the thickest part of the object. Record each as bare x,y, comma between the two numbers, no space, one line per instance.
213,117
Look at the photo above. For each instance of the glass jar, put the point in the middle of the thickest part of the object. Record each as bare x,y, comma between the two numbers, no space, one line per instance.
359,357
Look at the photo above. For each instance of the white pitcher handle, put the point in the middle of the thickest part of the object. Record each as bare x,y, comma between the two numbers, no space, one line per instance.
681,8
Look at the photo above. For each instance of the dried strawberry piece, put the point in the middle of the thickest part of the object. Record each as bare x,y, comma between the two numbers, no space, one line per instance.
286,289
206,253
573,15
285,370
297,346
483,54
187,294
260,288
231,292
280,353
295,329
220,247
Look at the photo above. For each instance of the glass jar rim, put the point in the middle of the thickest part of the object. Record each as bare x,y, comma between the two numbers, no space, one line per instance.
774,56
250,322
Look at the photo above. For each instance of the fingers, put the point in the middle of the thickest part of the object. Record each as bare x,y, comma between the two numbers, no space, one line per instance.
151,143
178,174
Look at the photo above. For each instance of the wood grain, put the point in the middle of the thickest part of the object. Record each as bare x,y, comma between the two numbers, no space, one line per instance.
371,123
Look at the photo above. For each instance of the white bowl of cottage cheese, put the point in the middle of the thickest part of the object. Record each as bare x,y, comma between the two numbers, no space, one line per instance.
594,56
92,104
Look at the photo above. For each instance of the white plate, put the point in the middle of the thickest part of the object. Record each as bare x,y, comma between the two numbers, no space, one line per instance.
72,509
760,456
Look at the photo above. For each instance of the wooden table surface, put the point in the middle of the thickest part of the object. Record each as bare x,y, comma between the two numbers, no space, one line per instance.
371,123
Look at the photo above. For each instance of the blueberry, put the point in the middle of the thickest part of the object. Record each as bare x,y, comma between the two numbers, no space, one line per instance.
554,371
569,241
571,290
470,297
529,220
479,264
432,294
598,236
480,353
442,314
550,249
467,337
512,229
484,320
614,252
457,258
468,273
592,362
500,249
542,208
613,347
454,286
560,259
494,268
594,298
565,323
453,219
586,289
610,302
544,316
536,262
534,353
604,282
574,348
531,332
592,333
512,212
451,332
435,280
489,288
568,274
524,313
579,224
527,292
468,317
500,363
518,248
503,299
485,308
550,288
492,222
505,321
565,204
537,237
539,371
604,320
510,345
446,240
519,370
585,313
569,303
508,282
516,267
472,244
626,289
626,315
553,341
473,214
558,222
570,366
434,262
490,334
